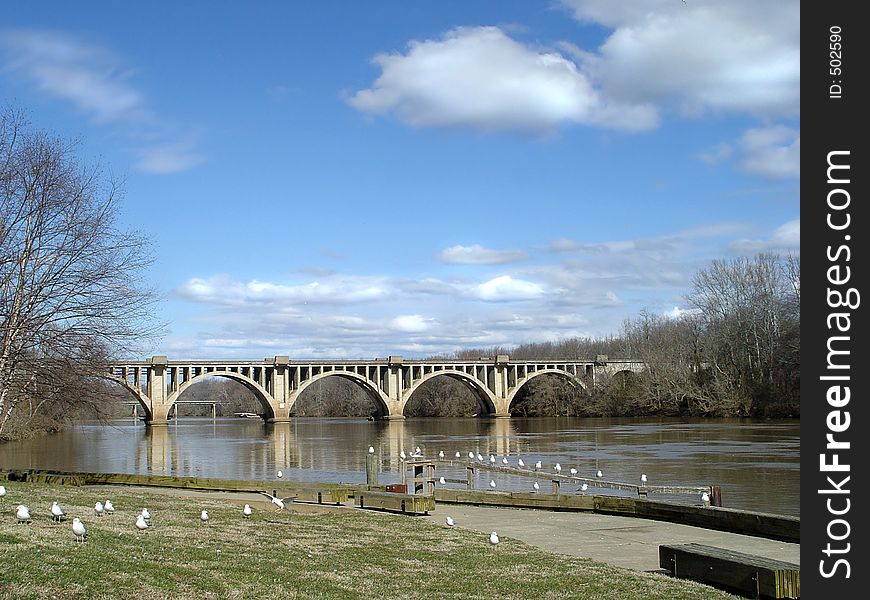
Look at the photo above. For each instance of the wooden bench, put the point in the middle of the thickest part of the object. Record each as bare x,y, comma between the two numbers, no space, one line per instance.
409,504
754,576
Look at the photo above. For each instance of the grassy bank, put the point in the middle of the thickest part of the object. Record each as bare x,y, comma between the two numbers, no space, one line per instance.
339,554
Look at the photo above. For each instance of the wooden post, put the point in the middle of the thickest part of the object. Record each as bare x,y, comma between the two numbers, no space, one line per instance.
418,478
716,495
469,477
371,469
430,479
556,486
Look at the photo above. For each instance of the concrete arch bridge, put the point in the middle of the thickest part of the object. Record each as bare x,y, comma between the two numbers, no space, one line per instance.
277,382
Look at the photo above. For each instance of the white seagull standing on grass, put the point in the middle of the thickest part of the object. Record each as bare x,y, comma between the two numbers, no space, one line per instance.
22,513
281,503
141,525
56,511
109,507
280,473
2,490
146,514
246,512
79,529
99,509
493,539
449,522
203,517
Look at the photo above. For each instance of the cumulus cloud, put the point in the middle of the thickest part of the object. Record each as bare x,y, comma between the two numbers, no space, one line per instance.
506,288
409,323
480,77
700,55
223,290
478,255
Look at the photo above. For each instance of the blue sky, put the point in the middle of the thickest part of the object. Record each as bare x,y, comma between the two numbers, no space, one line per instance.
332,179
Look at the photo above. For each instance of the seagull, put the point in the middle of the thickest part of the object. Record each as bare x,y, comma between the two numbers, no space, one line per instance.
203,517
246,512
573,472
79,529
491,459
458,455
371,449
584,487
538,465
146,514
280,473
643,477
99,510
599,473
441,454
109,507
442,481
56,511
417,451
2,490
22,514
471,456
480,457
520,463
281,503
141,525
504,460
705,498
536,486
492,483
449,522
493,539
402,454
558,468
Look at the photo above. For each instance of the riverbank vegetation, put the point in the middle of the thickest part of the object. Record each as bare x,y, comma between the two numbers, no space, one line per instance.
70,287
287,554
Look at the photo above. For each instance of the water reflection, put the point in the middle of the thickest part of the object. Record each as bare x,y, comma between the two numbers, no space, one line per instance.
755,462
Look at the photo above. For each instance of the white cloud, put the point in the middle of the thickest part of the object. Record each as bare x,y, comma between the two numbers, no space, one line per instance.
772,151
719,154
785,238
506,288
700,55
93,80
409,323
222,290
85,75
479,77
168,158
478,255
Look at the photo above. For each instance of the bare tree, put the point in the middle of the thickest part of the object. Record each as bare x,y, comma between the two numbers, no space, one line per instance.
70,288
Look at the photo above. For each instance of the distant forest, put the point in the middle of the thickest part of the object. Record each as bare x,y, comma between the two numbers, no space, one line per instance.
734,352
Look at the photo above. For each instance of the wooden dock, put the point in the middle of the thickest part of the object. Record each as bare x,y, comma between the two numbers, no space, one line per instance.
747,574
408,504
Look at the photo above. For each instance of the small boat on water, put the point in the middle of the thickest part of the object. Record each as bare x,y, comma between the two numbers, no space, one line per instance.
247,415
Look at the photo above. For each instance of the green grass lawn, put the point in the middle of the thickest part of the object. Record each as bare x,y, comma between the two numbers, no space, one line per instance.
342,554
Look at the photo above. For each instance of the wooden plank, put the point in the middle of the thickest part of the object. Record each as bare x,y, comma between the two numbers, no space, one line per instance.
748,574
409,504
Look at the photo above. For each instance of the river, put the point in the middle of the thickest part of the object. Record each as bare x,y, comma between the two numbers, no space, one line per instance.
756,462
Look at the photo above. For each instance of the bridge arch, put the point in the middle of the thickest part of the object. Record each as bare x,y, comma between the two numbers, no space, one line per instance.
570,378
137,394
381,400
265,398
484,395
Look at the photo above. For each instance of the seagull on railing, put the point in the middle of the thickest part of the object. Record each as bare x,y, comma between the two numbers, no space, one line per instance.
584,487
504,460
520,463
56,511
536,486
558,468
538,465
402,455
492,483
599,474
281,503
371,449
442,481
491,459
471,456
441,454
480,457
705,498
643,478
280,473
458,455
573,472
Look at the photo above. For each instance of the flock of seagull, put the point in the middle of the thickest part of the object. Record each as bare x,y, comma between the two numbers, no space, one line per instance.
23,514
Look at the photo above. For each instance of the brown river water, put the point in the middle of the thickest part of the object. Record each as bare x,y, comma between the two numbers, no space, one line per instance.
756,462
